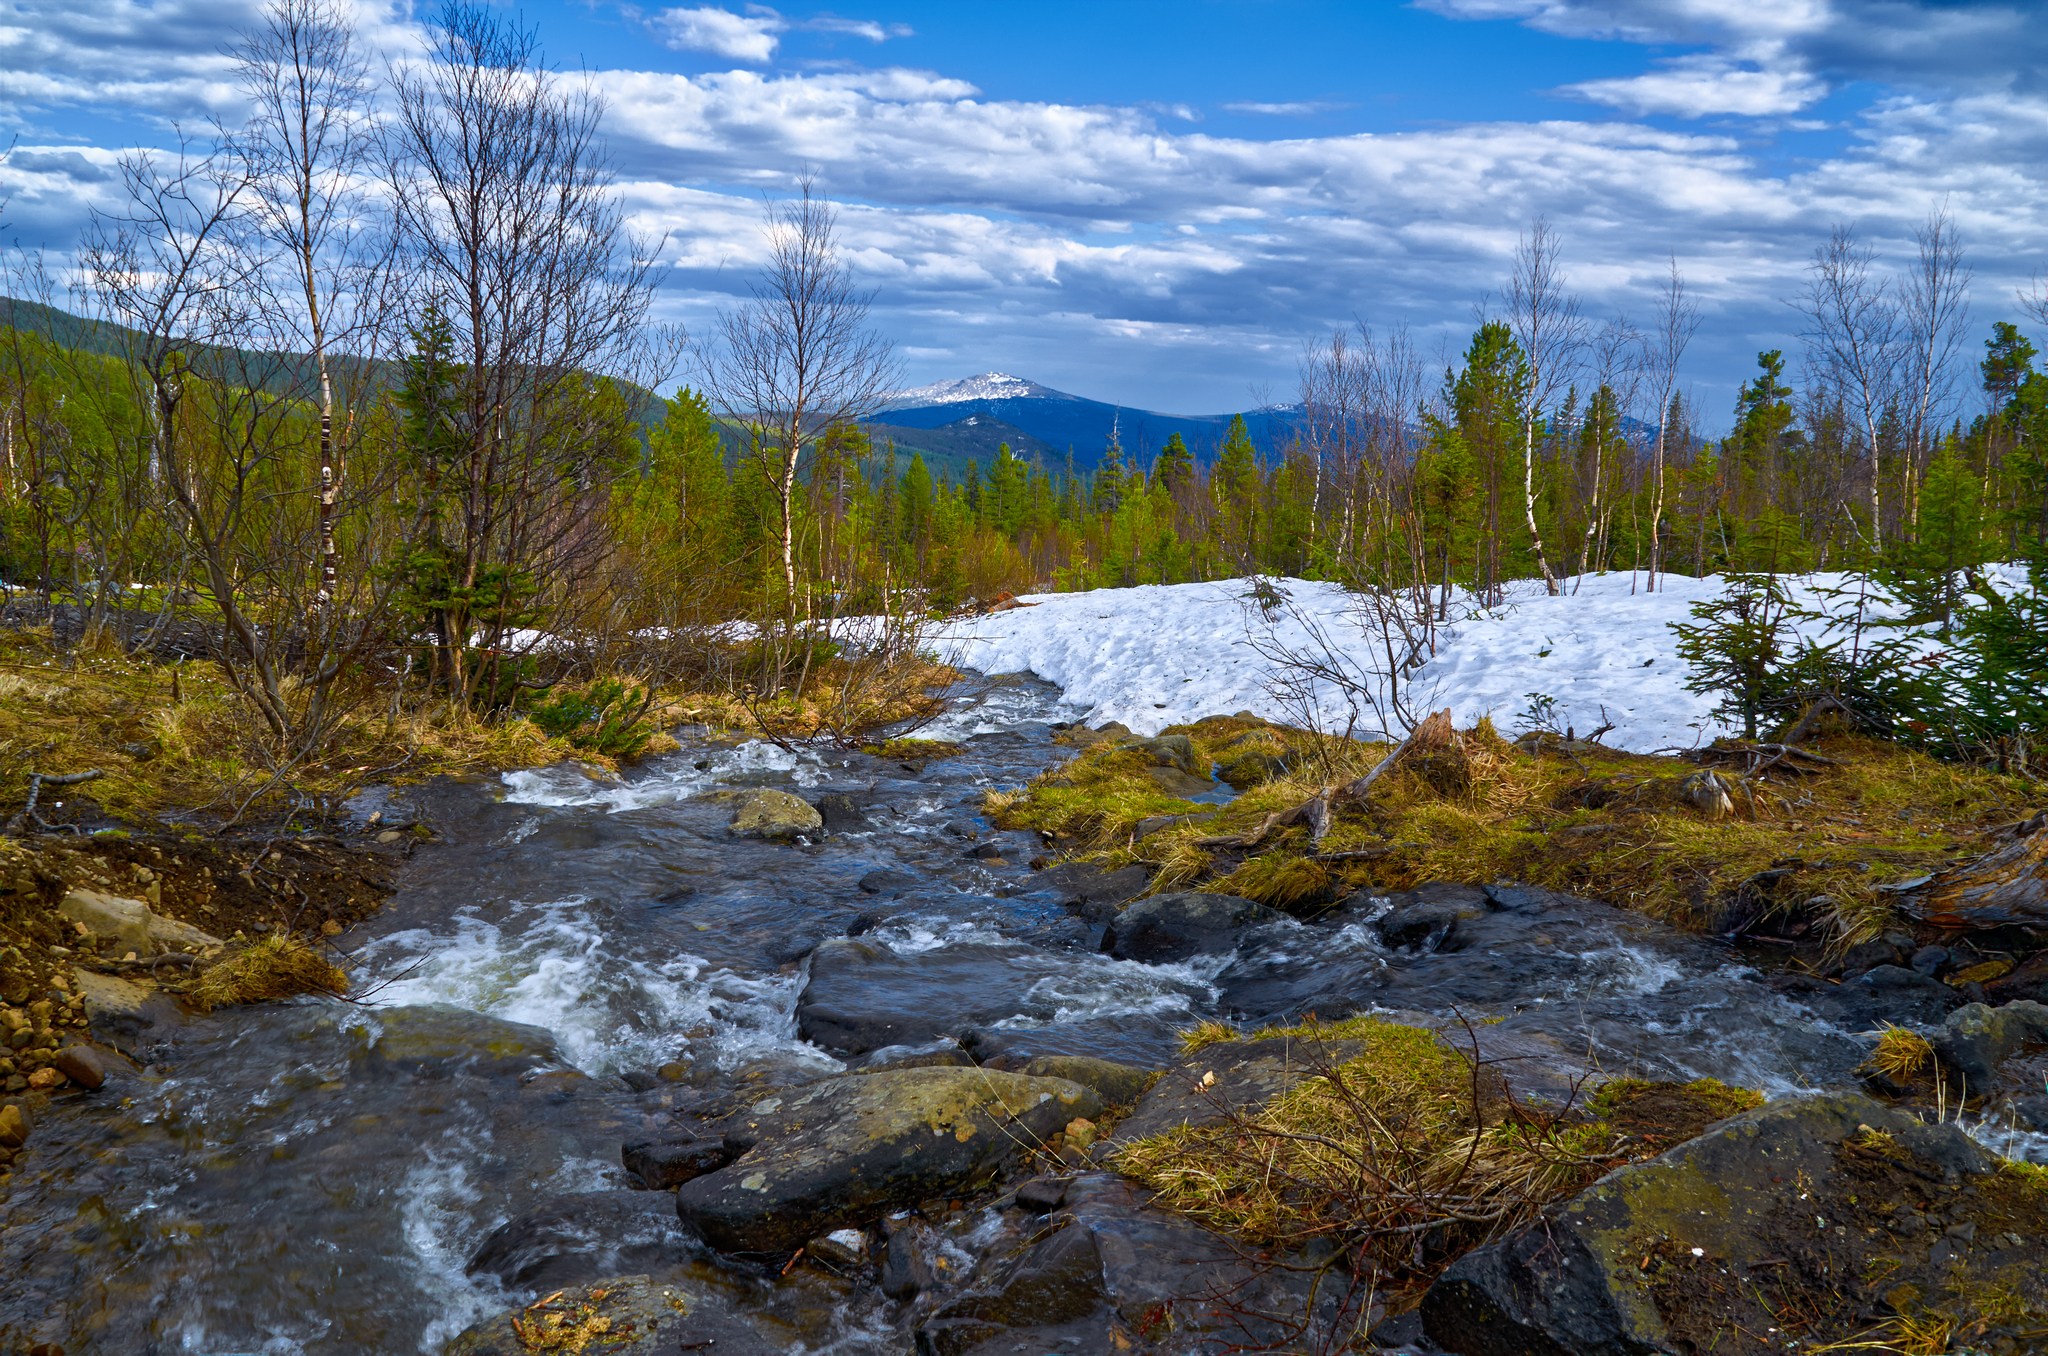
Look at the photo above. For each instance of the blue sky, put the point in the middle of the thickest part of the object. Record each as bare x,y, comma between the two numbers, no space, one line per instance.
1158,203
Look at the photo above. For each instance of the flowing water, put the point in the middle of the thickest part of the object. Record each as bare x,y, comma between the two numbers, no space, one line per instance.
315,1177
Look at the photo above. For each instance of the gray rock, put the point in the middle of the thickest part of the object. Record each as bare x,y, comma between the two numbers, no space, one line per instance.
573,1239
1905,996
774,815
845,1150
1117,1083
663,1165
841,811
1575,1284
118,926
1176,751
1110,1275
1173,927
1976,1039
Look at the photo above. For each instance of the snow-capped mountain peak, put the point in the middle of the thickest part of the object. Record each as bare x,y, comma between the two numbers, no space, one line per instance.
986,386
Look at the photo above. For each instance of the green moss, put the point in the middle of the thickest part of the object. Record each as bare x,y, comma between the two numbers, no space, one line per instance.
1382,1138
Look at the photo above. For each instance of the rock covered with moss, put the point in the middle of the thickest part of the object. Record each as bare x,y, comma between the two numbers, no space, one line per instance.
844,1150
775,815
626,1316
1820,1218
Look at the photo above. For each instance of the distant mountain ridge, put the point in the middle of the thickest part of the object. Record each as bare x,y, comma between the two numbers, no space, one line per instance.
1063,422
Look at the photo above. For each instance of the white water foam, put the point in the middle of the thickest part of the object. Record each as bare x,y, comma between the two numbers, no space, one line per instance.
437,1231
555,965
664,782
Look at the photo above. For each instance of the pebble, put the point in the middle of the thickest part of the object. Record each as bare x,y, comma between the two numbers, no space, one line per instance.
42,1080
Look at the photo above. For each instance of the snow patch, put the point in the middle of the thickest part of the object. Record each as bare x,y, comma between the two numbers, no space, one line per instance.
1161,655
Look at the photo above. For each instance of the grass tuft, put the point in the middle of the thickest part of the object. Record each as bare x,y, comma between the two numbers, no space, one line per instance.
1902,1056
278,966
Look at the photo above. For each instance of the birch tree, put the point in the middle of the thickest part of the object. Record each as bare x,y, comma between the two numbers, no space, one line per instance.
799,356
1677,320
1550,330
306,151
1853,338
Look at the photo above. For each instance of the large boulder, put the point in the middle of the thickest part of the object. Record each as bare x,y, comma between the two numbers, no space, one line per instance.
621,1316
845,1150
1855,1210
1976,1040
774,815
118,926
864,996
1183,924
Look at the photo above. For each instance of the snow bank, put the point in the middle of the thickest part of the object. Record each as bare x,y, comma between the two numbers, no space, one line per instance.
1164,654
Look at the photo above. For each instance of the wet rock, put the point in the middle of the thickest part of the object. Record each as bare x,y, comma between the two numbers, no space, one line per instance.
906,1263
843,1249
619,1316
1930,960
1868,956
1775,1190
841,811
124,1014
845,1150
1042,1195
1908,997
663,1165
431,1041
1976,1039
1086,889
862,996
1110,1274
792,948
14,1125
2027,980
1117,1083
1174,782
118,926
1173,927
1429,923
86,1065
774,815
573,1239
938,1055
885,882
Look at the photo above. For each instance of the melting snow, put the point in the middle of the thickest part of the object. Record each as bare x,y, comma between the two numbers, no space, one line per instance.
1163,654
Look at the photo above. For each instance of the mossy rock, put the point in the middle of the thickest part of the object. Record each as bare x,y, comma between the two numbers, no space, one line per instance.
1833,1203
774,815
845,1150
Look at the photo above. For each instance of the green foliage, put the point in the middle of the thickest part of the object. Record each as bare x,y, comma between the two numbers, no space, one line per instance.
1738,645
609,718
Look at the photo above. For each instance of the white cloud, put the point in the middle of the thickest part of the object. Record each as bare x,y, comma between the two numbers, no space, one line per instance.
858,28
1301,108
1704,86
750,37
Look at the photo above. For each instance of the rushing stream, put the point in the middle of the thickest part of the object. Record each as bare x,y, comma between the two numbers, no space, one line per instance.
315,1177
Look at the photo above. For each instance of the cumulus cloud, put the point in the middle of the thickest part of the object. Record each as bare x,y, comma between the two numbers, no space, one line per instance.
1115,250
750,37
1702,86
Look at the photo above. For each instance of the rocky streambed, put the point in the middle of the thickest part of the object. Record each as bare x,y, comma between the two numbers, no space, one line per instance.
619,1078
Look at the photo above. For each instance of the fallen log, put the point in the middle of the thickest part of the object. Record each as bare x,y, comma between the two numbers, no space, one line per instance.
2006,886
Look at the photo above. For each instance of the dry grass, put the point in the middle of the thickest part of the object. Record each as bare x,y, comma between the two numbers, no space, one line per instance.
278,966
1801,847
1902,1056
1393,1137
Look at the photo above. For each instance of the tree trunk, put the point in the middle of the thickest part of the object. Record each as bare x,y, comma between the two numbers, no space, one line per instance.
2006,886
